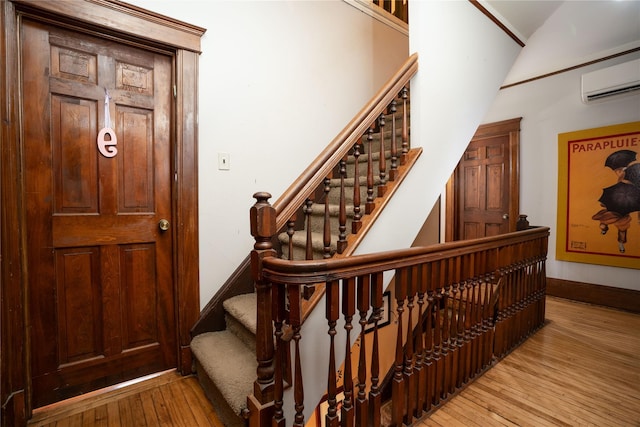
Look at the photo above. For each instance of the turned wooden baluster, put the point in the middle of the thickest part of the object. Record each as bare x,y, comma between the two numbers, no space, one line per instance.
290,232
518,303
468,325
375,393
369,205
393,171
342,216
295,320
364,301
332,314
444,346
428,339
454,354
482,285
326,234
500,318
477,328
263,227
526,300
460,343
348,310
382,161
487,326
279,312
510,309
542,284
309,244
408,278
397,382
356,223
477,321
437,342
404,94
453,332
420,369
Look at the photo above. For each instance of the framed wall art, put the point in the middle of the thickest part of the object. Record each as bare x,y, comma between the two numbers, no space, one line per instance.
599,196
386,314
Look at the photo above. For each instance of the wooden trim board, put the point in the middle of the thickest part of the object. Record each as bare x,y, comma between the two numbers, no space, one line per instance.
608,296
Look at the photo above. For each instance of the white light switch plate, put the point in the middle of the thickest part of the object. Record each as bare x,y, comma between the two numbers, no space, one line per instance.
224,161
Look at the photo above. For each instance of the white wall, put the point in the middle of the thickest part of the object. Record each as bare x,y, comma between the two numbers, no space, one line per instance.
278,81
463,59
548,107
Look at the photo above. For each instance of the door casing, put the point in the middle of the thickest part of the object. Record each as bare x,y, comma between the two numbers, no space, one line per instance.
126,24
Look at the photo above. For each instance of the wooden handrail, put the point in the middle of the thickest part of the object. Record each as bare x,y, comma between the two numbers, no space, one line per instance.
318,271
320,168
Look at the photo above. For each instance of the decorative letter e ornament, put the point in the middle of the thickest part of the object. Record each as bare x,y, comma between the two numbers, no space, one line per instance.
107,139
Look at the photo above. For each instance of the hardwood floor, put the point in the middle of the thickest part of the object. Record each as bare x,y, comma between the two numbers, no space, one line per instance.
581,369
168,399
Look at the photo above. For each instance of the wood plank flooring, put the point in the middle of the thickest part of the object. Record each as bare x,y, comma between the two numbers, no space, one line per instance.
581,369
168,399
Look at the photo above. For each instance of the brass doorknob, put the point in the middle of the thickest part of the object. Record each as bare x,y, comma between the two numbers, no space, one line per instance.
505,216
163,225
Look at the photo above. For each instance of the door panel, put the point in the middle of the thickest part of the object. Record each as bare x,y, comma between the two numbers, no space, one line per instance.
484,188
485,199
101,290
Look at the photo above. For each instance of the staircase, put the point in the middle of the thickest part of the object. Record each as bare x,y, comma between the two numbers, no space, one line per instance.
329,202
225,361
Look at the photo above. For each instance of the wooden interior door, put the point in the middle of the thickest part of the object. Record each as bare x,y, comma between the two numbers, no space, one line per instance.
485,196
100,276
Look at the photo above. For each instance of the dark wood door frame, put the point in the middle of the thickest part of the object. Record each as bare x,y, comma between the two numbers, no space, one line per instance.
128,24
506,127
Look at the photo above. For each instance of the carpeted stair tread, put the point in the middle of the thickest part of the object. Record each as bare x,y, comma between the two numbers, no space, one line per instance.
243,309
229,364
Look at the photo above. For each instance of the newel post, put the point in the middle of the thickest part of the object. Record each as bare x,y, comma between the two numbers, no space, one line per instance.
263,228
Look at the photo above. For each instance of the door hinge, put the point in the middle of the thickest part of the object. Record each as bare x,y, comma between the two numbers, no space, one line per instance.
175,91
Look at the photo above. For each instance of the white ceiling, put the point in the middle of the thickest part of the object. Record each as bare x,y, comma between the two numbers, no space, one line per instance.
563,34
523,16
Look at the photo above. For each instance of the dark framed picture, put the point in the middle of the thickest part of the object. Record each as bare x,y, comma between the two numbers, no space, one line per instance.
323,408
386,314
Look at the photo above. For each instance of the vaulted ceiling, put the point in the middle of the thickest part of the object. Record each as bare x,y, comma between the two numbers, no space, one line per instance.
563,34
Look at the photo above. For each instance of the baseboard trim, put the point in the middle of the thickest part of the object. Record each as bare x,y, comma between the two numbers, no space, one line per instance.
608,296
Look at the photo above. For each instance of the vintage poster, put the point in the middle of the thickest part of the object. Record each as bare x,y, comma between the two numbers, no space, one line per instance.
599,196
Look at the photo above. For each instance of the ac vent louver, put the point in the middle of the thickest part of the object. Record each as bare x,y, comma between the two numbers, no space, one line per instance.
611,81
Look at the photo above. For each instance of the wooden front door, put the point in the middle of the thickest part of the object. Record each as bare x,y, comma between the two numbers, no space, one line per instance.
100,277
485,196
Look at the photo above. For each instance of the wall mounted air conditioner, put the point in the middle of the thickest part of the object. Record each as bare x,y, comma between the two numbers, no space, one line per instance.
610,81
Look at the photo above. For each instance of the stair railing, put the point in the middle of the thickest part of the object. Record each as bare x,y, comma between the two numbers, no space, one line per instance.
294,208
476,300
298,199
398,8
312,183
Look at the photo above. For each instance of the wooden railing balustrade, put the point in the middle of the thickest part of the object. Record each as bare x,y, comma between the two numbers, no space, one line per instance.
384,118
458,307
326,185
398,8
349,180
